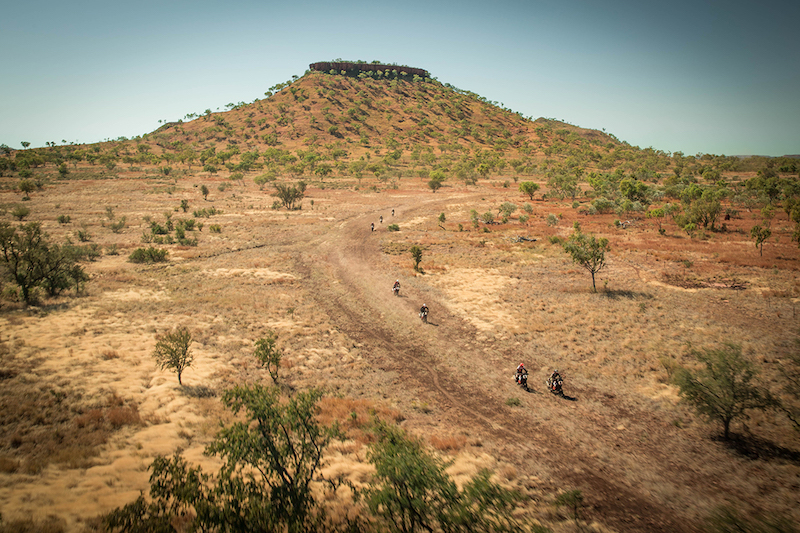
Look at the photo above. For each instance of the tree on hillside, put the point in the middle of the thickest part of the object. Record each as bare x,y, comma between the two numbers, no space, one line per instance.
529,188
725,388
436,179
173,352
268,355
416,255
587,251
26,186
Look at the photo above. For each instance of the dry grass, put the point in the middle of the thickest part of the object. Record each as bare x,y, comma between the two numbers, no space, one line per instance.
496,303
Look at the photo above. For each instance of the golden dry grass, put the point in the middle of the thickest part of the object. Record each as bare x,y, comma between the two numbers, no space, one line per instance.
78,378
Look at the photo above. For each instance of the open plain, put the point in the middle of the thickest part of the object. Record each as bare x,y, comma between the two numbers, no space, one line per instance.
85,409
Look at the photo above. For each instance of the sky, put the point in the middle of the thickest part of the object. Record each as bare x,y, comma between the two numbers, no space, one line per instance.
687,75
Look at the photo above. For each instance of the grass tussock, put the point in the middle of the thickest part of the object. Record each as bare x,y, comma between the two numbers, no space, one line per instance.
355,416
448,443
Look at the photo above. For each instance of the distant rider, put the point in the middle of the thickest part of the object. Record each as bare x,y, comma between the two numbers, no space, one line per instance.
555,379
521,371
396,286
423,311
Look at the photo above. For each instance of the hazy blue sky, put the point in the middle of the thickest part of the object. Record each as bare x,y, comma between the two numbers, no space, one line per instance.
692,76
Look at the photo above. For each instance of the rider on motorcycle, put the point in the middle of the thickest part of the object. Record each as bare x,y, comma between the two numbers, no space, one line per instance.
555,381
423,311
521,370
396,286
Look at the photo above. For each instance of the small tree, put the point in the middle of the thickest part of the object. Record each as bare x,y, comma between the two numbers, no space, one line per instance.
26,186
270,477
172,351
268,355
290,194
411,491
587,251
30,261
725,389
529,188
760,234
185,205
20,212
204,192
436,179
416,254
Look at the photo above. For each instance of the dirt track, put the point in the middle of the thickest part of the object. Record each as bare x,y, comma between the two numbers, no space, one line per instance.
468,380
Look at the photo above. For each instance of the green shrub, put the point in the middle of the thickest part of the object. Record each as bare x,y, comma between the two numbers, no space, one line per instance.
393,227
20,212
117,226
215,228
148,255
63,219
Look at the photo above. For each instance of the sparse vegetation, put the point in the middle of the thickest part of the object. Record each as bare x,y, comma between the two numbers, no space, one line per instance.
148,255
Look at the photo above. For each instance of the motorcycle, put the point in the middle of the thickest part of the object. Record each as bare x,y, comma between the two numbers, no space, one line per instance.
522,379
424,317
555,386
396,291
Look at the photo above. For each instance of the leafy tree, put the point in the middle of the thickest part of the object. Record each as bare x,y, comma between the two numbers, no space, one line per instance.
412,492
204,192
529,188
20,212
26,186
269,480
25,144
725,388
658,215
268,355
563,184
30,261
587,251
437,177
507,208
416,254
173,351
185,205
760,234
290,194
434,185
323,170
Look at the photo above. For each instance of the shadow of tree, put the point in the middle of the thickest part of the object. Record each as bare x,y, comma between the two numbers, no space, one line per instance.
755,448
616,294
